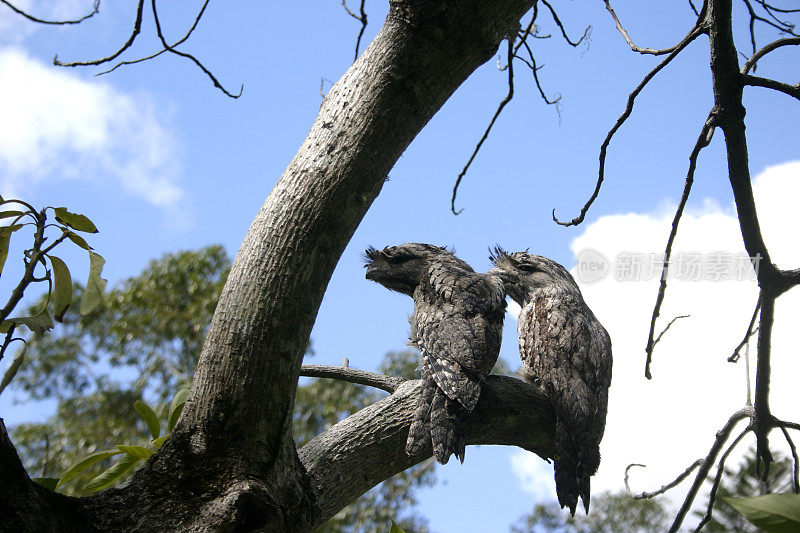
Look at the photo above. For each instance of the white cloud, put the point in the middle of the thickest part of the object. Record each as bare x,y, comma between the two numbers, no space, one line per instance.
670,421
56,125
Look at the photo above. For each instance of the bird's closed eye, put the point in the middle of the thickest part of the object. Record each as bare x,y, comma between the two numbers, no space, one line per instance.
527,268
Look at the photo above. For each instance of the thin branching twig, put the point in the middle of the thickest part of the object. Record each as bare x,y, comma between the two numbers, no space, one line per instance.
695,32
703,140
664,488
176,43
186,55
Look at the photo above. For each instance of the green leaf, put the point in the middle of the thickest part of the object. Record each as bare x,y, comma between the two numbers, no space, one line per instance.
5,239
12,368
9,214
774,513
85,463
159,441
62,287
8,230
137,451
112,473
149,417
49,483
80,241
74,220
38,323
177,407
95,286
395,528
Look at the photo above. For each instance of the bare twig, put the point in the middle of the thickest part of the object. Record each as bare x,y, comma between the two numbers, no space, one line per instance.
663,331
694,8
674,483
351,375
176,43
751,62
586,33
189,56
695,32
750,331
362,18
703,140
535,70
500,107
95,10
137,28
634,47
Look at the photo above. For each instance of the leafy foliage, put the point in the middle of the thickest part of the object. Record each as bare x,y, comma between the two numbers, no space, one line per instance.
40,266
145,343
132,454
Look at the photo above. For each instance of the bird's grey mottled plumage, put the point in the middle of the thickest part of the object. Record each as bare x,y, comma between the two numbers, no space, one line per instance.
566,350
456,325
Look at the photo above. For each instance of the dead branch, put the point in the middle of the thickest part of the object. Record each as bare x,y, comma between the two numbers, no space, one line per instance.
790,90
176,43
500,107
189,56
703,140
752,60
137,28
633,46
352,375
18,11
663,331
695,32
586,33
664,488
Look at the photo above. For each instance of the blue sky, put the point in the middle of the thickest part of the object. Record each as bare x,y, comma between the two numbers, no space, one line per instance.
161,161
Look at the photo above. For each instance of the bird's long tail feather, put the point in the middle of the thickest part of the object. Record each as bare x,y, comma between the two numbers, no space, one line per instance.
574,466
448,435
419,432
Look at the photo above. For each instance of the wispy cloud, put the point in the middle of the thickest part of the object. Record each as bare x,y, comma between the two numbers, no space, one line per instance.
56,125
670,421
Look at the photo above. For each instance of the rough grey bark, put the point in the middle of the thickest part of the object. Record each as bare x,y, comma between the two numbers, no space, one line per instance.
231,462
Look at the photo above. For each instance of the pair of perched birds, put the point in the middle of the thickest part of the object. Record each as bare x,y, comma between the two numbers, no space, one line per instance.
457,327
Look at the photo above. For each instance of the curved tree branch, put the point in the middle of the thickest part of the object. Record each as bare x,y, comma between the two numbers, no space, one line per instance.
361,451
18,11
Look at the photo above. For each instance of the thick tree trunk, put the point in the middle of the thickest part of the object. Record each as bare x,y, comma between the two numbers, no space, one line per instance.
231,462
